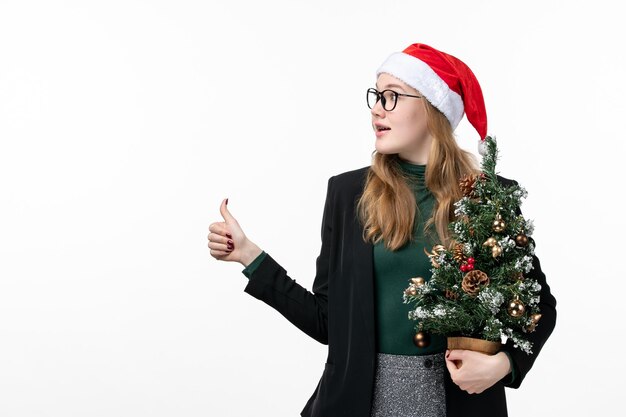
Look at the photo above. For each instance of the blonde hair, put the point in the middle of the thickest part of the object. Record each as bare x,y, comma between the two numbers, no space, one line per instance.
387,206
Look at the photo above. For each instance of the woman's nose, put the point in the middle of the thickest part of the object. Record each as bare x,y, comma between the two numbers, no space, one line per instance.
378,109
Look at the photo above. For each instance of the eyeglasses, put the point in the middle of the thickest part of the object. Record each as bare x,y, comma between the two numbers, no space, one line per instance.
387,96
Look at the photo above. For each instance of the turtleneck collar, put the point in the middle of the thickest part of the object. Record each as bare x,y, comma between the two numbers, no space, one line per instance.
411,168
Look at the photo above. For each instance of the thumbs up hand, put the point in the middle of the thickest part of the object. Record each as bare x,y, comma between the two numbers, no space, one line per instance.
228,242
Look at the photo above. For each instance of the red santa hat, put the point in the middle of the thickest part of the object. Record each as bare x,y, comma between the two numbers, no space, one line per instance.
446,82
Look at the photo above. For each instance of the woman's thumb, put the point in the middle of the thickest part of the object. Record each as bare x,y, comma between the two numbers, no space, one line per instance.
225,213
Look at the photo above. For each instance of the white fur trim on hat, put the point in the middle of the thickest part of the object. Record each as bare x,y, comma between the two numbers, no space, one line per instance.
419,75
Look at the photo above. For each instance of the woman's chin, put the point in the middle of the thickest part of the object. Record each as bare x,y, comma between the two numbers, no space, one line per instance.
383,148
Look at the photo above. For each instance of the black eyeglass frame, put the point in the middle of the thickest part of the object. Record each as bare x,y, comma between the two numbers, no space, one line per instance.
380,96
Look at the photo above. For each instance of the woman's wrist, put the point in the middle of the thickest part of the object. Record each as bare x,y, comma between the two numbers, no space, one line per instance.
504,364
249,252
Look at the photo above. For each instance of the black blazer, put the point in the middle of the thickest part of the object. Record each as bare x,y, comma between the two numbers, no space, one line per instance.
340,313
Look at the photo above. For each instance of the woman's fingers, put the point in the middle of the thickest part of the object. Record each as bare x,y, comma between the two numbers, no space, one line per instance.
229,227
224,247
455,358
226,238
215,237
479,371
219,228
220,245
456,354
451,368
220,254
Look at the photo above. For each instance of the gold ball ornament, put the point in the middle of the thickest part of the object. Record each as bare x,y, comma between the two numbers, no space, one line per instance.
410,290
418,281
421,339
496,251
434,254
521,239
439,248
490,242
534,320
498,224
516,308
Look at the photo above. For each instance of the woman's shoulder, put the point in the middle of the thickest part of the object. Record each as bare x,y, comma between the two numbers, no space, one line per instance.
506,181
353,179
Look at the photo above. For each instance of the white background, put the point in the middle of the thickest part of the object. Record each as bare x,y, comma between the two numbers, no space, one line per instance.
123,125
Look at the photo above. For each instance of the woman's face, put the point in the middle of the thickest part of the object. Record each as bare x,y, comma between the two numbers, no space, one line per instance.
408,135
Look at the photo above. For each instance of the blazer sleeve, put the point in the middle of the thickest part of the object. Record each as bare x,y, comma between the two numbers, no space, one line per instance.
523,362
307,310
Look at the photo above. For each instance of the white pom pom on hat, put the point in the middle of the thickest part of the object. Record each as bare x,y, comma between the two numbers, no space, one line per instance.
446,82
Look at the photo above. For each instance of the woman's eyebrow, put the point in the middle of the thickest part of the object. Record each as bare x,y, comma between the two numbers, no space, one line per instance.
392,85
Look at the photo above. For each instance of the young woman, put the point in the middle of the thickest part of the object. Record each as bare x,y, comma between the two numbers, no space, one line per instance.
376,223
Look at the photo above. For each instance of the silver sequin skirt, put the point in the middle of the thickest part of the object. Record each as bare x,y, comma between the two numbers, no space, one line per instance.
409,386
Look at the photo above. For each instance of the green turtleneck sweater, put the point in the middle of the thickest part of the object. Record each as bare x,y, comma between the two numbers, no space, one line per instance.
392,272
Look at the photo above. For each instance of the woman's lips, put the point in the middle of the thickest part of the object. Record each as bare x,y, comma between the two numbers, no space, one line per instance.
379,133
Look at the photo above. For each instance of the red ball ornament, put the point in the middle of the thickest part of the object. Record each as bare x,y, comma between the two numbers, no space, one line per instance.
470,261
464,268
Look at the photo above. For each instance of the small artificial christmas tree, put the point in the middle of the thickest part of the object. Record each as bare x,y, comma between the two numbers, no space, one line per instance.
478,288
